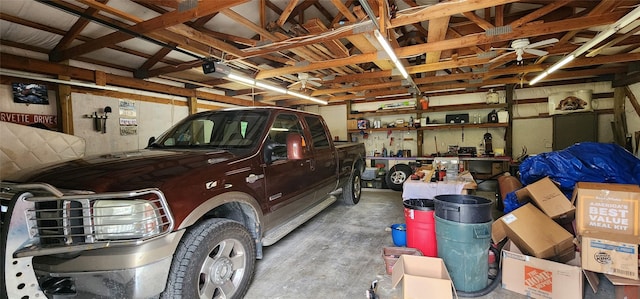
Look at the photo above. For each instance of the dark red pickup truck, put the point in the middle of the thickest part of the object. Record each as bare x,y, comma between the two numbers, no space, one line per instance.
184,218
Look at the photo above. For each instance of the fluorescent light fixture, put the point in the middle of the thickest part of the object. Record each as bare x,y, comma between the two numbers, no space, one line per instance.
241,79
538,78
72,83
271,87
392,55
306,97
594,41
263,85
560,63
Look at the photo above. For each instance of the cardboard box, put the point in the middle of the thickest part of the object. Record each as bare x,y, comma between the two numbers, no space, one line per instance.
422,275
617,257
392,254
496,168
548,198
352,124
539,278
535,234
625,288
610,208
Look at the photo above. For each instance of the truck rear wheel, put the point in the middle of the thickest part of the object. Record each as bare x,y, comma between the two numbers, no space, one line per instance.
353,188
397,175
215,259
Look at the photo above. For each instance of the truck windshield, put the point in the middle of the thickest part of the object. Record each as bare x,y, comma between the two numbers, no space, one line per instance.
235,129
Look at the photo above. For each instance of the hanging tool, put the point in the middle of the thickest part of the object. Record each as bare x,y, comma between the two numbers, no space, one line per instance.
462,134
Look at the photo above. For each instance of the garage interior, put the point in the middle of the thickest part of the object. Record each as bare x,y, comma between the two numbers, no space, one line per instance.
483,80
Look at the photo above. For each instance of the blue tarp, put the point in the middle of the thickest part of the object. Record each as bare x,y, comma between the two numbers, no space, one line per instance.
581,162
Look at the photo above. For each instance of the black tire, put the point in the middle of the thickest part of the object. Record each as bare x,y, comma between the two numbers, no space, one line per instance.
352,189
215,259
397,175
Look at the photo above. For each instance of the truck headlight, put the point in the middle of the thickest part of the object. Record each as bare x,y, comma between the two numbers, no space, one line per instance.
125,219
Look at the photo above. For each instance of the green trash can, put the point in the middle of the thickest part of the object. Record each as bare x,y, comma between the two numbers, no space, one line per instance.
464,248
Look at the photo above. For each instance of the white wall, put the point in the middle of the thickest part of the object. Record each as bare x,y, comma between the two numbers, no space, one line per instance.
536,134
152,118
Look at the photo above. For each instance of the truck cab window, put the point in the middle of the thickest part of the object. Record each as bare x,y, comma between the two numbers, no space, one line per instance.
319,137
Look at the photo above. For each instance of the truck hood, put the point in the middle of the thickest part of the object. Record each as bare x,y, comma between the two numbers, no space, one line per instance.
125,171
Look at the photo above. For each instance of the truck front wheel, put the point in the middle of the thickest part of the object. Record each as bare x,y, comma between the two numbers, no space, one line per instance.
353,188
215,259
397,175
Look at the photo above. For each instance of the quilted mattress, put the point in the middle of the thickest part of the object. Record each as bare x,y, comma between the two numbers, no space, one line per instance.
25,147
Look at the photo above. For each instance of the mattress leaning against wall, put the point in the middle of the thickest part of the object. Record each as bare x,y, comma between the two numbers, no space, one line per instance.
25,147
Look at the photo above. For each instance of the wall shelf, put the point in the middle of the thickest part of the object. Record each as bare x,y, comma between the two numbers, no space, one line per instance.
435,127
431,109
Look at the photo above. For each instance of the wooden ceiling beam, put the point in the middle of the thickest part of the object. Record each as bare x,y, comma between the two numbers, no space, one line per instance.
482,23
344,10
312,66
249,24
444,9
76,28
38,26
602,8
323,10
521,32
540,12
481,38
142,71
169,19
338,18
286,12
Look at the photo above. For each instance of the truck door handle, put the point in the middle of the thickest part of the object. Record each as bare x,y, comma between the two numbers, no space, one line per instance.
252,178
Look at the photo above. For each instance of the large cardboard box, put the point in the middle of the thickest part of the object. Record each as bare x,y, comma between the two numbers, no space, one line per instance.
609,208
612,255
539,278
535,234
422,275
548,198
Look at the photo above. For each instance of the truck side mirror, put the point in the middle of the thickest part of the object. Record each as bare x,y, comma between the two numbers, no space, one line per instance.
295,146
152,139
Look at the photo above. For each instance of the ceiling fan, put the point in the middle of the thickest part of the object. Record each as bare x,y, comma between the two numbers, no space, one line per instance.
521,46
304,80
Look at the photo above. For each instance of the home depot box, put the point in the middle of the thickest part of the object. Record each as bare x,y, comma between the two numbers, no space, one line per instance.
616,255
539,278
422,275
548,198
535,234
610,208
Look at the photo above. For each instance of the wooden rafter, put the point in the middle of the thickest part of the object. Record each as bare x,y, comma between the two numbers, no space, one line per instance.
169,19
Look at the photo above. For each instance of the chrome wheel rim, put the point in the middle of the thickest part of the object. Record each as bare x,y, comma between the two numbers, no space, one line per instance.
222,270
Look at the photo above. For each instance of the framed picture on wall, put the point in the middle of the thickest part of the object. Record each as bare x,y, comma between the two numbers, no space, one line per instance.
570,101
30,93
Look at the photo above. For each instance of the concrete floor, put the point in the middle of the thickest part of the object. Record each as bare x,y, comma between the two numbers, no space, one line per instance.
337,254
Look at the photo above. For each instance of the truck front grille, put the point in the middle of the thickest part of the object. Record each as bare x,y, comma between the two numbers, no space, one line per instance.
56,220
61,222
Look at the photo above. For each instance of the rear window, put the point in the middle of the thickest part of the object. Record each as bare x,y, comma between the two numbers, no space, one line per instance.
319,136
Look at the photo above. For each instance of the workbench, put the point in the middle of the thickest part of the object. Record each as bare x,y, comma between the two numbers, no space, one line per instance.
420,189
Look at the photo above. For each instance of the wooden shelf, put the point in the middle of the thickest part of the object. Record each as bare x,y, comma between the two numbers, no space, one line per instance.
459,126
475,106
436,127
